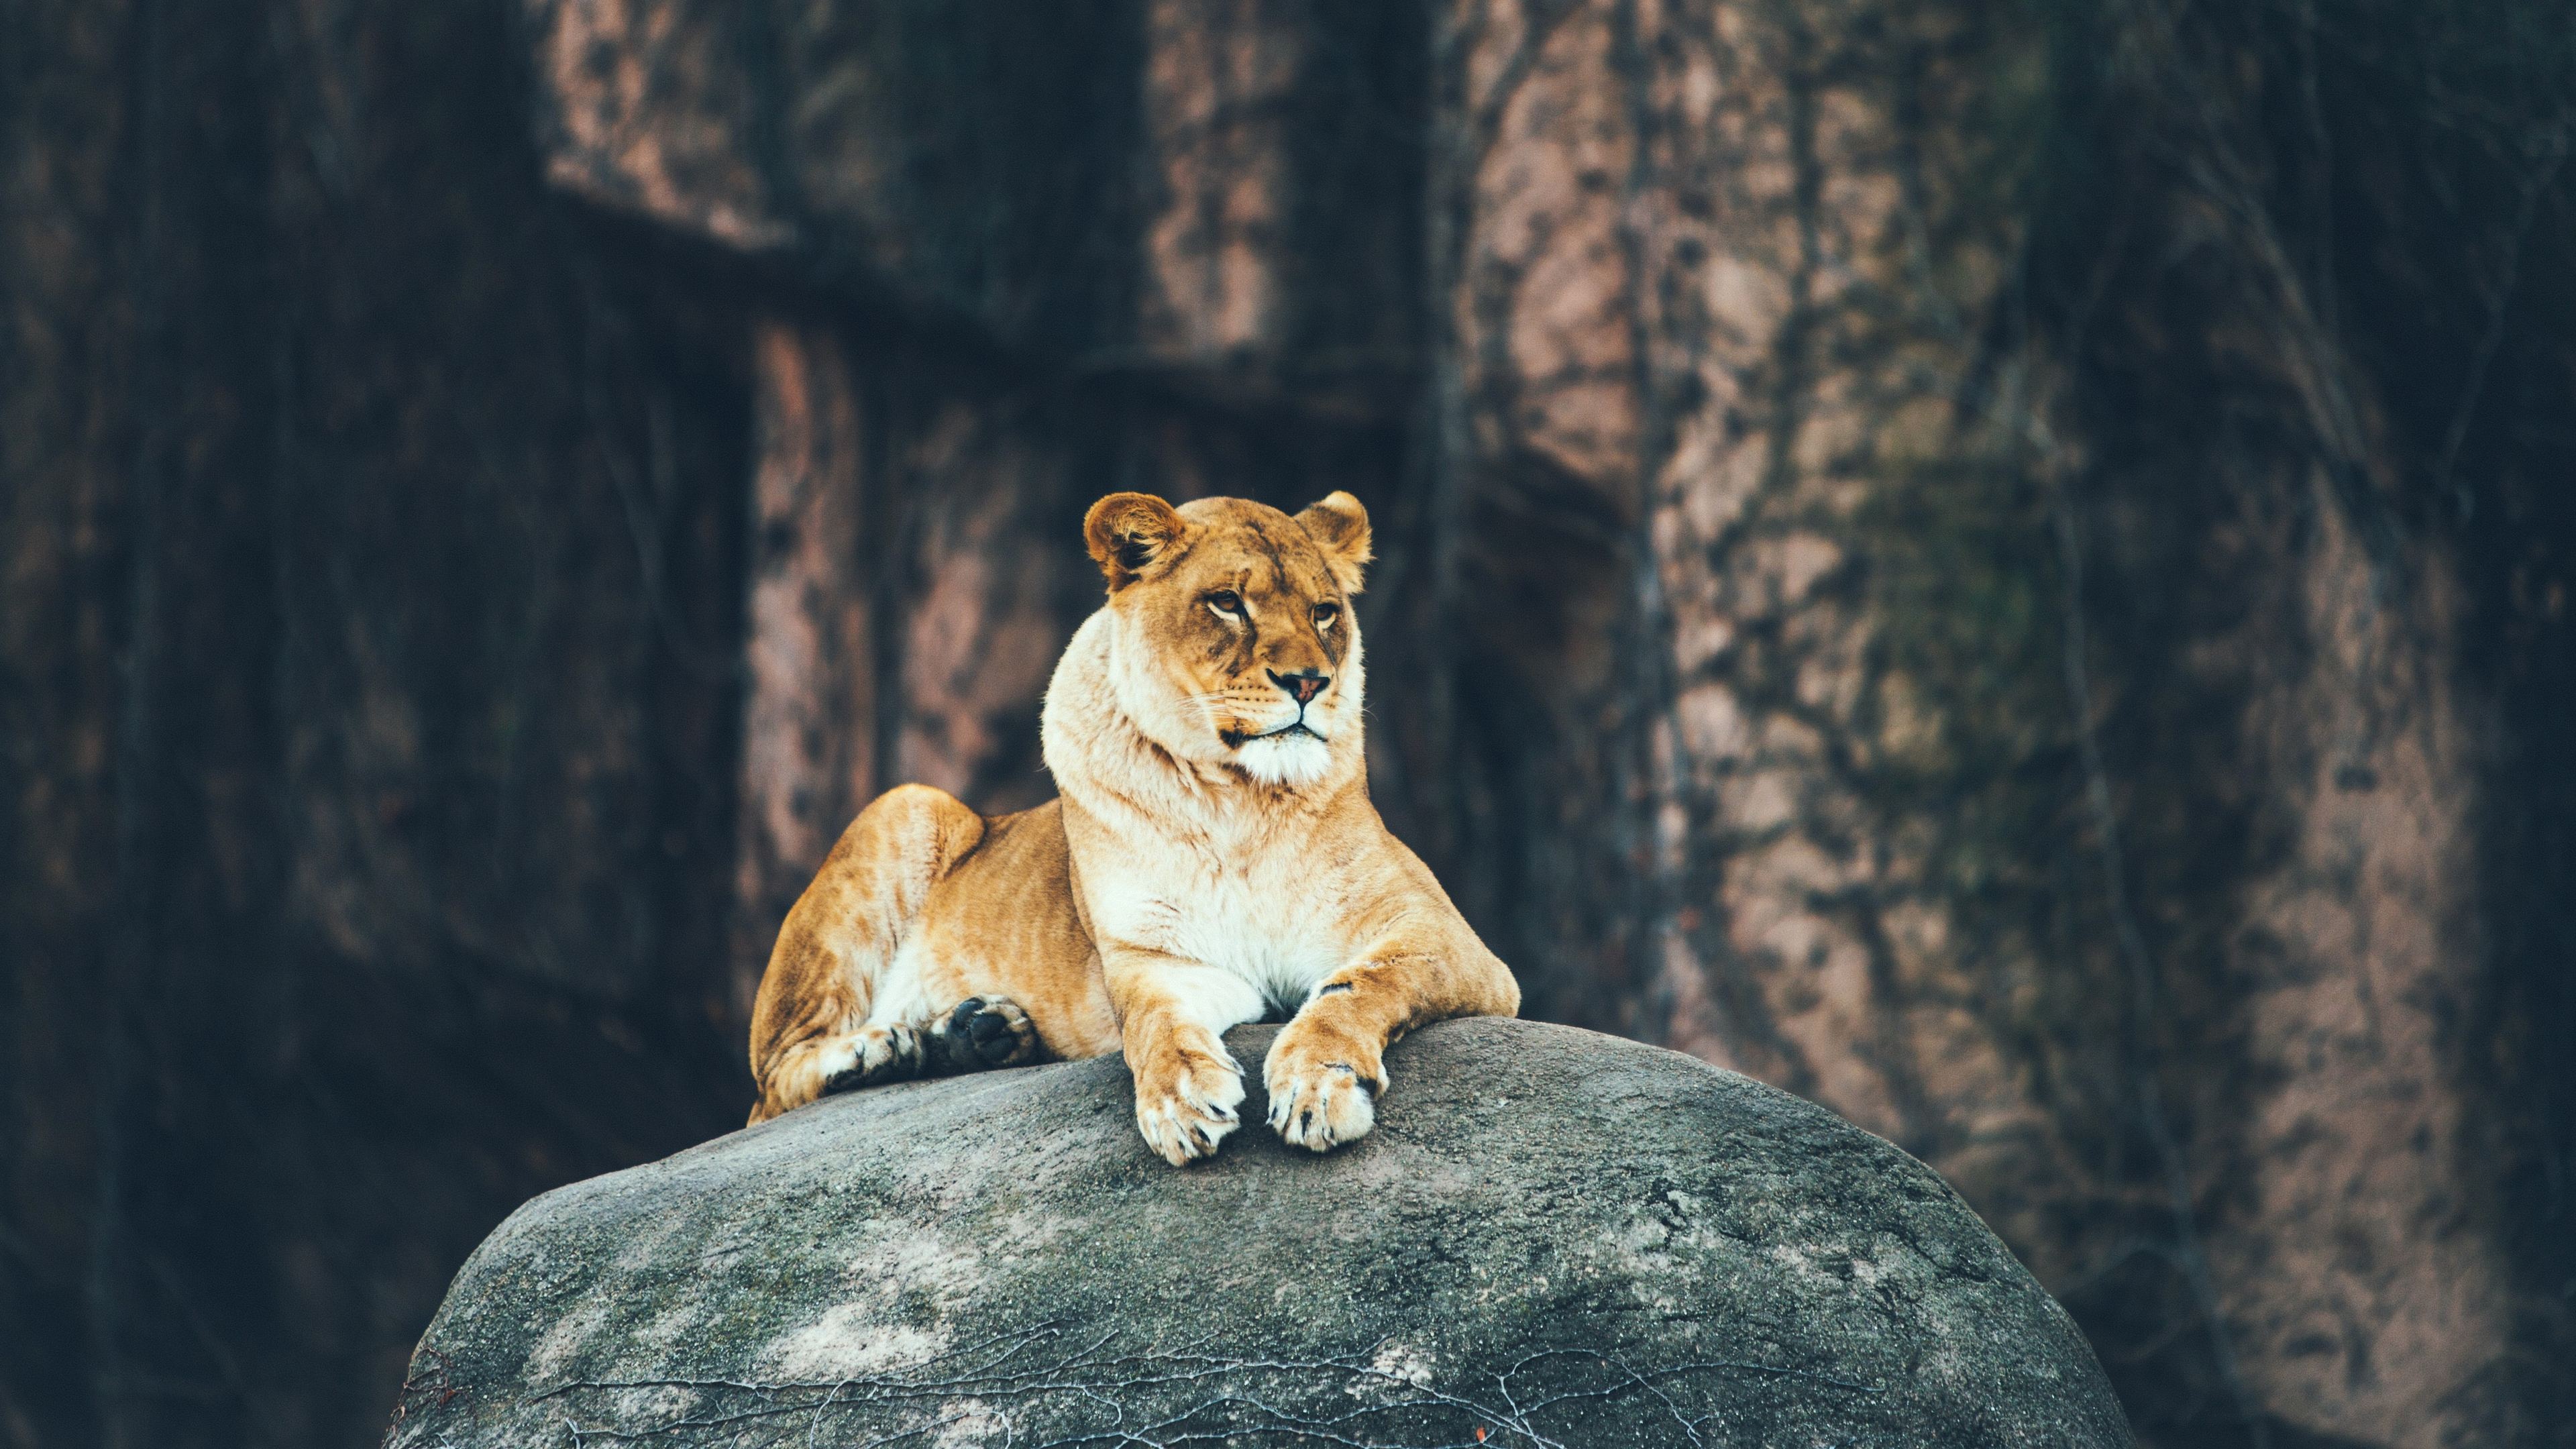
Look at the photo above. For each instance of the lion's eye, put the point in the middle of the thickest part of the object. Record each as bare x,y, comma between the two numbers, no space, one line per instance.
1226,601
1325,614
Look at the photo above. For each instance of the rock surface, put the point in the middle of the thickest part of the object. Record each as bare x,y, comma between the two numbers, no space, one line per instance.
1552,1238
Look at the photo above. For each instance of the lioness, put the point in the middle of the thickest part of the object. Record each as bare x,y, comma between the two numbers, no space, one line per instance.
1214,855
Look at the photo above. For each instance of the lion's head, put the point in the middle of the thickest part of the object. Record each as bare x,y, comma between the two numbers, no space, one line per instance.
1232,638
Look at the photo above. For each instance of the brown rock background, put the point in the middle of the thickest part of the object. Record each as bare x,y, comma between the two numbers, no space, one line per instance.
2001,566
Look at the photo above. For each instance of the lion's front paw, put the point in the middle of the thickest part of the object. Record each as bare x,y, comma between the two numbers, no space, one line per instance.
1318,1098
876,1055
1185,1106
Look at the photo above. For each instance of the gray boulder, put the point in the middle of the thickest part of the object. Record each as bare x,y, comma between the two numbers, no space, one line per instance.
1552,1238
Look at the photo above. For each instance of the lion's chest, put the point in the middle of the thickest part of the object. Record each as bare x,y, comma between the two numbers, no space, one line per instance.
1259,923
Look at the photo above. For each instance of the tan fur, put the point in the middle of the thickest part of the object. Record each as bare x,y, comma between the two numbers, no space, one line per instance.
1207,862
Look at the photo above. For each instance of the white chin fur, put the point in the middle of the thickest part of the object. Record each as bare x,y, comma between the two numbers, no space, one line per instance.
1294,761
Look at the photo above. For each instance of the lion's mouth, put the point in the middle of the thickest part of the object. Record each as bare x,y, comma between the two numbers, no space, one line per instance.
1236,739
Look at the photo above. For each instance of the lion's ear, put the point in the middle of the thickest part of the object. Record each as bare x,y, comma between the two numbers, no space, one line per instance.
1127,532
1340,527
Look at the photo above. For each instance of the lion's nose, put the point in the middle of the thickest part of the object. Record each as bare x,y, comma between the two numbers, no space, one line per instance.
1301,684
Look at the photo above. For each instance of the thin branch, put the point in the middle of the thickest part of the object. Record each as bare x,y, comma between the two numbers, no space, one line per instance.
2535,186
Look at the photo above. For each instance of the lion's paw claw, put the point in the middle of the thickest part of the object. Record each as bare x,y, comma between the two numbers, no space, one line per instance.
1322,1106
1184,1118
878,1054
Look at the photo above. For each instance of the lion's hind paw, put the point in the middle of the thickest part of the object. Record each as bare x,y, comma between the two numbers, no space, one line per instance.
877,1055
987,1032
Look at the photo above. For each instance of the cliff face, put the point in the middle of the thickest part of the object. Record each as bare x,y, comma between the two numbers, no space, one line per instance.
1552,1237
2003,568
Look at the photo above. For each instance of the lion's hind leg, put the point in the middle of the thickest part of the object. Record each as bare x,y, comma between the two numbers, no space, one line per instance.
831,1013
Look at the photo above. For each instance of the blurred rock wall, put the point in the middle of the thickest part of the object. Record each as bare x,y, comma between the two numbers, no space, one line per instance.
369,682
